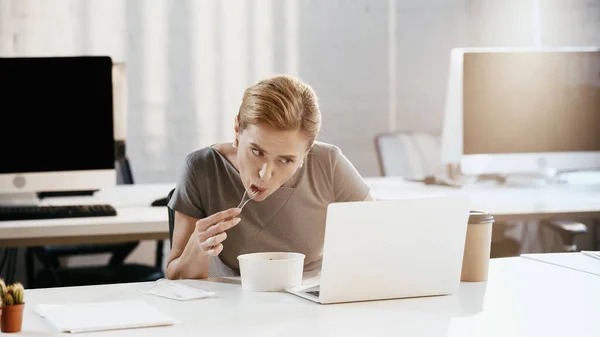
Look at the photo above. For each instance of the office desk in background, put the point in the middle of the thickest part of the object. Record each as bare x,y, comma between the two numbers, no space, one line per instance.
505,203
521,298
137,220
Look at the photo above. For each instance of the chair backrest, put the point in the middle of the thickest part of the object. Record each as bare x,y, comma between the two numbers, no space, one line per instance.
413,155
124,173
122,164
171,219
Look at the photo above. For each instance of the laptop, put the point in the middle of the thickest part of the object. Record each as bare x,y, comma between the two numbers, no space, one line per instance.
389,249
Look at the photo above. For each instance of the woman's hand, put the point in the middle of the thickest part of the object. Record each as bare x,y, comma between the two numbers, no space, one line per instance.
211,230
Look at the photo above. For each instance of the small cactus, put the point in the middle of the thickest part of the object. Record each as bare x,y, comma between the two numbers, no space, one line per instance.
2,287
8,300
2,292
18,293
12,294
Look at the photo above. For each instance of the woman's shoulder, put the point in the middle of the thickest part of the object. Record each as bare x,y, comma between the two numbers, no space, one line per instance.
323,149
323,157
324,152
203,158
200,154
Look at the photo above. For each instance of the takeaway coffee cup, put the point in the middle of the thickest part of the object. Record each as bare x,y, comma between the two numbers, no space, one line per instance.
476,257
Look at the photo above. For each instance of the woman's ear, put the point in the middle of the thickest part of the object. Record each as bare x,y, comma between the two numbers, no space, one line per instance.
236,124
236,129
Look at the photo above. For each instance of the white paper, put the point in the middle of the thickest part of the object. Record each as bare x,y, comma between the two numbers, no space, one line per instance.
101,316
575,261
176,290
592,254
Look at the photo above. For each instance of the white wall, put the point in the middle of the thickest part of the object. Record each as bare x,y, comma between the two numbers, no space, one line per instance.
188,63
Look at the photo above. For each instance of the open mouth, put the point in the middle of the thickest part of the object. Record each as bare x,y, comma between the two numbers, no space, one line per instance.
256,190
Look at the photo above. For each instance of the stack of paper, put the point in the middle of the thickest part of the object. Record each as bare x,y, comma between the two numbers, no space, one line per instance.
100,316
576,261
595,255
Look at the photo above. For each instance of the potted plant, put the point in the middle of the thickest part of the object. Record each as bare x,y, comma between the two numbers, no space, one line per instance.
13,304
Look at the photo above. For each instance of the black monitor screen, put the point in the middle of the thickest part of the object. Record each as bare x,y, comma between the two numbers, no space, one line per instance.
56,114
531,102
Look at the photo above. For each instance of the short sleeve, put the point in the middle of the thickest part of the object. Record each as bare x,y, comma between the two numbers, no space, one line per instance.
186,197
348,184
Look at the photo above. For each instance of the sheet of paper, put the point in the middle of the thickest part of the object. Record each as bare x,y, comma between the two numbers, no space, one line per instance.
100,316
592,254
176,290
575,261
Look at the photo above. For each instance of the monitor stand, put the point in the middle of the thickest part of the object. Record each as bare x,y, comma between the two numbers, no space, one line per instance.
19,199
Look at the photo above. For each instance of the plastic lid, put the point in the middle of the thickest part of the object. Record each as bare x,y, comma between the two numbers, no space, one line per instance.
480,217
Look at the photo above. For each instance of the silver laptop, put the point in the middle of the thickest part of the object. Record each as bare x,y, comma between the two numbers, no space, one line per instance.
388,249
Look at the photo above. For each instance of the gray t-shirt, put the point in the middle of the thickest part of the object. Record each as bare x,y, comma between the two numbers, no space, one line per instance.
292,219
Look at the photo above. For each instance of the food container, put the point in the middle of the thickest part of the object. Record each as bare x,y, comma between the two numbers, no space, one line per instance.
271,271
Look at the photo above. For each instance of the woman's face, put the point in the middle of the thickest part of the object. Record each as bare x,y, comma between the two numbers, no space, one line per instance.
267,157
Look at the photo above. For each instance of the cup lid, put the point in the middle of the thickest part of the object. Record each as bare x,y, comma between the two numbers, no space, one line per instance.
479,217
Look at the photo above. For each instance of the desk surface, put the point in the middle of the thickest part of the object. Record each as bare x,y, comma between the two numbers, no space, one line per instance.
137,220
521,298
505,203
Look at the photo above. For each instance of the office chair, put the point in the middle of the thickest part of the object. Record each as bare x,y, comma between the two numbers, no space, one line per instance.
417,155
116,271
567,230
411,155
171,219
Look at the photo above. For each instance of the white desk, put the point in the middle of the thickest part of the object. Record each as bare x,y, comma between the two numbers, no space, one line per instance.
521,298
135,220
575,261
505,203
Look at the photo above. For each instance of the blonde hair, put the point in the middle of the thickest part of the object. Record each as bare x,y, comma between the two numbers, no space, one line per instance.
285,103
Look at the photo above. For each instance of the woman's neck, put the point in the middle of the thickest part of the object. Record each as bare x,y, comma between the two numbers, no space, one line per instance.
229,152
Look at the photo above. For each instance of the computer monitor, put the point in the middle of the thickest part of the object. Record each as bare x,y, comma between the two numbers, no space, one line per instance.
520,110
57,117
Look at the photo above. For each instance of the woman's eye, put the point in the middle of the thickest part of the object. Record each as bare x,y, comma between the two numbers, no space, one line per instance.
257,152
287,161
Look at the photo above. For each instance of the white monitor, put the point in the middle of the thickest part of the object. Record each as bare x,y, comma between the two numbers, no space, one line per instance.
58,128
519,110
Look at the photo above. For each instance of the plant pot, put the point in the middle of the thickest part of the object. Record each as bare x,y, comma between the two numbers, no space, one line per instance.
12,318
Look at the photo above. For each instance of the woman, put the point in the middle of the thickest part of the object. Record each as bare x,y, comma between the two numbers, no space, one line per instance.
275,156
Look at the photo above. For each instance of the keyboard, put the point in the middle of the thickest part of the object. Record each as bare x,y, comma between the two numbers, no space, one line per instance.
8,213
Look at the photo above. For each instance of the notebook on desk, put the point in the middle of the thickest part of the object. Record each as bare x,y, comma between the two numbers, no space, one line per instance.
586,262
592,254
102,316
